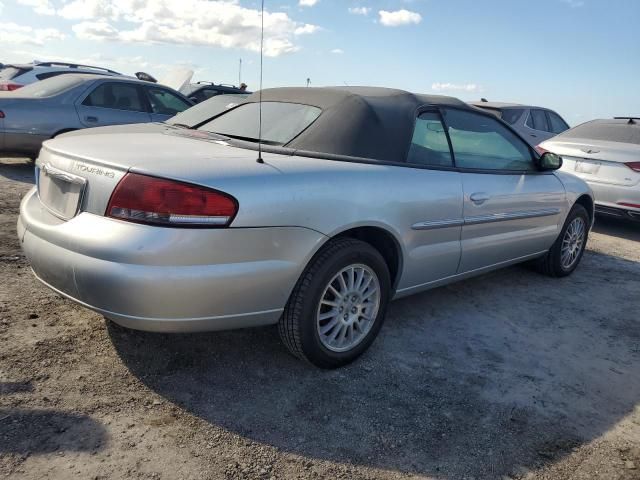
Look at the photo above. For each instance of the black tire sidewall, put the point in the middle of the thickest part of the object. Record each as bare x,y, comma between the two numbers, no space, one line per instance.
361,253
556,254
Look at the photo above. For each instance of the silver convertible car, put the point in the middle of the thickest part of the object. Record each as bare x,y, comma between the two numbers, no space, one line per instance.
359,196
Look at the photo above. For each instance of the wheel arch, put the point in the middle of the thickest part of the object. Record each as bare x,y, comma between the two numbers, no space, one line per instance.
382,240
587,202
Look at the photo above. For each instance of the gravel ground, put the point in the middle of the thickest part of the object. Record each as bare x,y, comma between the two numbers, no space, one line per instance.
509,375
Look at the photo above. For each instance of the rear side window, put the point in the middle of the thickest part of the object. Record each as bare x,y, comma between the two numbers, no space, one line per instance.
538,120
166,103
557,124
118,96
511,115
281,122
482,142
429,145
206,110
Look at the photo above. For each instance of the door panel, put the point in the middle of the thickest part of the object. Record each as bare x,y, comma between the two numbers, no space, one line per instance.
112,103
519,216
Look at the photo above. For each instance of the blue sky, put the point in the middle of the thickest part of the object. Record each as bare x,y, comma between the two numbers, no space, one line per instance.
579,57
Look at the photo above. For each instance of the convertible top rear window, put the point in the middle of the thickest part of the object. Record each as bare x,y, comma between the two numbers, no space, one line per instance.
281,122
608,130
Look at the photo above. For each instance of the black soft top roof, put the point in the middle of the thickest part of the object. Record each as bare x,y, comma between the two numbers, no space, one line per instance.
365,122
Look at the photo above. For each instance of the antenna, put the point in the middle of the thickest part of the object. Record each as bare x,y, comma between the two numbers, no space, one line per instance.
259,159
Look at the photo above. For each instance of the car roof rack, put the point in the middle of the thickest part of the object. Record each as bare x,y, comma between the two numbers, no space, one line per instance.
73,65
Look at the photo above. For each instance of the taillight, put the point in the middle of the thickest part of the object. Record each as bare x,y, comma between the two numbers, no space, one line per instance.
156,201
541,150
1,114
9,87
635,166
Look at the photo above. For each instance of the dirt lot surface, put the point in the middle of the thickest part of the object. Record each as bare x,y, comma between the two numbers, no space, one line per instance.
507,376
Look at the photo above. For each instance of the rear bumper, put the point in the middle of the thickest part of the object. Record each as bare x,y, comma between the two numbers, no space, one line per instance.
165,279
611,199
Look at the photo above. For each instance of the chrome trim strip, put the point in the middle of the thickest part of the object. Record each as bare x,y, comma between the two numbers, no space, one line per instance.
456,222
480,219
501,217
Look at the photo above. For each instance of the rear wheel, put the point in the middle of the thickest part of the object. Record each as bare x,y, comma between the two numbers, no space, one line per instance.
565,254
338,305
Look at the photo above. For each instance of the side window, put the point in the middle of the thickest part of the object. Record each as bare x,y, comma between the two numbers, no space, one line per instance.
429,145
118,96
482,142
538,120
557,124
165,103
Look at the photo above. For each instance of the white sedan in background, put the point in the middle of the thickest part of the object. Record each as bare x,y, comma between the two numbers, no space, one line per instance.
606,154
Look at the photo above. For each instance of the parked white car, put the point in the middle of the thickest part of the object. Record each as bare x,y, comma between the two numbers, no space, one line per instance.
15,76
606,154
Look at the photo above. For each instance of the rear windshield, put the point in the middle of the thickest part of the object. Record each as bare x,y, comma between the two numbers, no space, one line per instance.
8,73
281,122
206,110
608,130
51,86
511,115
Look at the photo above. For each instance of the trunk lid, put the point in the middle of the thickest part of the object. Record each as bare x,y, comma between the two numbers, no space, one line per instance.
600,162
78,171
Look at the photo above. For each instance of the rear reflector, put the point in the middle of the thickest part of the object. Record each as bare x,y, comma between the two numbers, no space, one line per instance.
1,114
635,166
541,150
156,201
632,205
9,87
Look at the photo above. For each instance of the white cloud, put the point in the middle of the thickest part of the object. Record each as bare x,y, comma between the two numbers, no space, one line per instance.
1,7
337,51
307,3
42,7
21,34
453,87
220,23
399,17
359,10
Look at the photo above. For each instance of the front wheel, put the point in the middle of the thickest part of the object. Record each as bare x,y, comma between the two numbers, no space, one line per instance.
338,305
565,254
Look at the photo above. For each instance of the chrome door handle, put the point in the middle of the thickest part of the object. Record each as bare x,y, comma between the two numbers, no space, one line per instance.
479,198
92,119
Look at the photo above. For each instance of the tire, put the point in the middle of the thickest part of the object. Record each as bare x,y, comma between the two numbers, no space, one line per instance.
553,264
301,323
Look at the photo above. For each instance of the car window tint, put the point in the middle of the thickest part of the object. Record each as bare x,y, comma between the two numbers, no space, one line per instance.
557,124
118,96
281,122
614,130
429,145
482,142
208,93
511,115
539,120
166,103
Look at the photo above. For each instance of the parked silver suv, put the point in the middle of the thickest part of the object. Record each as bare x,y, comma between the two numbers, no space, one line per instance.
16,76
535,124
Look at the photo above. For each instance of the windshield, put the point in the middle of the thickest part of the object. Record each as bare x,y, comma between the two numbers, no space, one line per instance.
608,130
206,110
281,122
51,86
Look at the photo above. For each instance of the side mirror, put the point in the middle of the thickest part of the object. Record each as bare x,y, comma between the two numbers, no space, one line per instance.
550,161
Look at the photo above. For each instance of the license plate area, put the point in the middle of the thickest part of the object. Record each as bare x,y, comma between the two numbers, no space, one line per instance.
587,166
59,191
